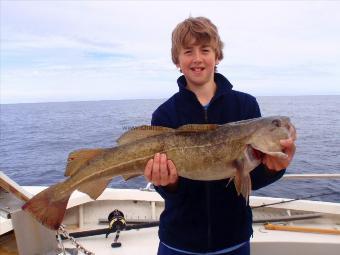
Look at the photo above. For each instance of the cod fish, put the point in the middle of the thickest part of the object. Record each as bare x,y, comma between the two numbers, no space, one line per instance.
199,151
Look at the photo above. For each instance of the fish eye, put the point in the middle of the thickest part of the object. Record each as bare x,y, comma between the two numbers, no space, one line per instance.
276,122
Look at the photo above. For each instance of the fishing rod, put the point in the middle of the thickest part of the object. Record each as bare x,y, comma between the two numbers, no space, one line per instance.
296,199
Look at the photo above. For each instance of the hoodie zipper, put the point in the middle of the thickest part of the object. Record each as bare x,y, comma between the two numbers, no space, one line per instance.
207,192
205,115
207,187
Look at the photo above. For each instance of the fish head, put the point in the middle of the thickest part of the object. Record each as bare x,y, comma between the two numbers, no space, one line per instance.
268,133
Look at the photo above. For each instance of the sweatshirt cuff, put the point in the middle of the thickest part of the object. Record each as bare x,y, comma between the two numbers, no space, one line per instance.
166,194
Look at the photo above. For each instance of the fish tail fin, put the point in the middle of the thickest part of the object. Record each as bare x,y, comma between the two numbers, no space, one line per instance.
46,209
242,180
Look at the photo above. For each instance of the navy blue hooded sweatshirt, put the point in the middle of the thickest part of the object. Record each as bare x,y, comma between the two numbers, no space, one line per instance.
207,216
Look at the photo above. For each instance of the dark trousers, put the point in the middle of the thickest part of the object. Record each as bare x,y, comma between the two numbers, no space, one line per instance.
243,250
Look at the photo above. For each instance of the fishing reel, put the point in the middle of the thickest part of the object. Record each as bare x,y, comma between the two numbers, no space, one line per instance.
117,223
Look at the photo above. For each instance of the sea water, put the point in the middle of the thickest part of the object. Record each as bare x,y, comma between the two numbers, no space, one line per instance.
35,139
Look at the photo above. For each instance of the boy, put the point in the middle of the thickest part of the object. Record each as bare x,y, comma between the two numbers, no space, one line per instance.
205,217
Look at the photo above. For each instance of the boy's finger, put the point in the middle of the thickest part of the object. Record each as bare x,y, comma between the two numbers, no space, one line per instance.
286,142
163,170
148,170
155,170
292,131
172,172
289,147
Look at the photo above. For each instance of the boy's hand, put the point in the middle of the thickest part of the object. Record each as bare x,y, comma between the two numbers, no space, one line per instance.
288,147
161,172
277,164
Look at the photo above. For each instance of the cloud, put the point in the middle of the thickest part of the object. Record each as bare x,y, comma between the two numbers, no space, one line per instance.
55,47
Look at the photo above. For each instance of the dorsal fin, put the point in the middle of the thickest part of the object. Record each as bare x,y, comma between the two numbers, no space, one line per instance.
141,132
198,127
80,158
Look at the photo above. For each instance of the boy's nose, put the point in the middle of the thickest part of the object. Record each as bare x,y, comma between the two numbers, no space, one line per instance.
197,57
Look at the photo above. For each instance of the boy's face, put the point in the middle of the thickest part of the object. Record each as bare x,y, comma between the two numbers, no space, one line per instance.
197,62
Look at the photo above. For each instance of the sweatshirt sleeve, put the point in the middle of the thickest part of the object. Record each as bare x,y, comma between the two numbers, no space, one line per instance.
261,176
159,119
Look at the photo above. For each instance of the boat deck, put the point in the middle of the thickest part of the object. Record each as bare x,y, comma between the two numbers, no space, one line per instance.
264,242
85,214
145,242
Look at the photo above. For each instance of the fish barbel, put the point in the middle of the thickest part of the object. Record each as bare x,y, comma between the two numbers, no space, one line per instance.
199,151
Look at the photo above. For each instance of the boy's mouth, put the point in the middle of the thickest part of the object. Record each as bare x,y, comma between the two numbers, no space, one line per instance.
197,69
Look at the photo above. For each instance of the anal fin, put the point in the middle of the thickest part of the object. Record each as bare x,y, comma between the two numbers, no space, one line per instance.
94,188
129,176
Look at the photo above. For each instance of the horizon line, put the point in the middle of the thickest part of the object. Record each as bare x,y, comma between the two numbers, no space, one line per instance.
129,99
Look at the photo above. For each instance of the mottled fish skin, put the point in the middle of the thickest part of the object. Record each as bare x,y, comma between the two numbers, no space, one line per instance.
200,152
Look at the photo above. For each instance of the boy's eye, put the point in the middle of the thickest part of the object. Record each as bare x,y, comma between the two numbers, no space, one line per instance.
187,51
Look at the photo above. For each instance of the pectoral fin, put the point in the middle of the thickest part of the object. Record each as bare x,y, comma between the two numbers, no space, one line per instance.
242,179
244,165
95,188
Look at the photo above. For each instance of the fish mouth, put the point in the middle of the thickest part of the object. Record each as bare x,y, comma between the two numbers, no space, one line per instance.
257,154
260,153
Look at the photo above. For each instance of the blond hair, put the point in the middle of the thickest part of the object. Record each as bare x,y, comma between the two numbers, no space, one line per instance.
199,30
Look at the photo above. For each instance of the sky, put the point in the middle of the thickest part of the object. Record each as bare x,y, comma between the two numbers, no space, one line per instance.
107,50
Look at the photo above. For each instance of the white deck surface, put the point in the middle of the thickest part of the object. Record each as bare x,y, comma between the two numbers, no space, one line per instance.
265,242
137,242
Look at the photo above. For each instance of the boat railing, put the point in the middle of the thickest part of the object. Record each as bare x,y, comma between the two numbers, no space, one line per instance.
304,176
